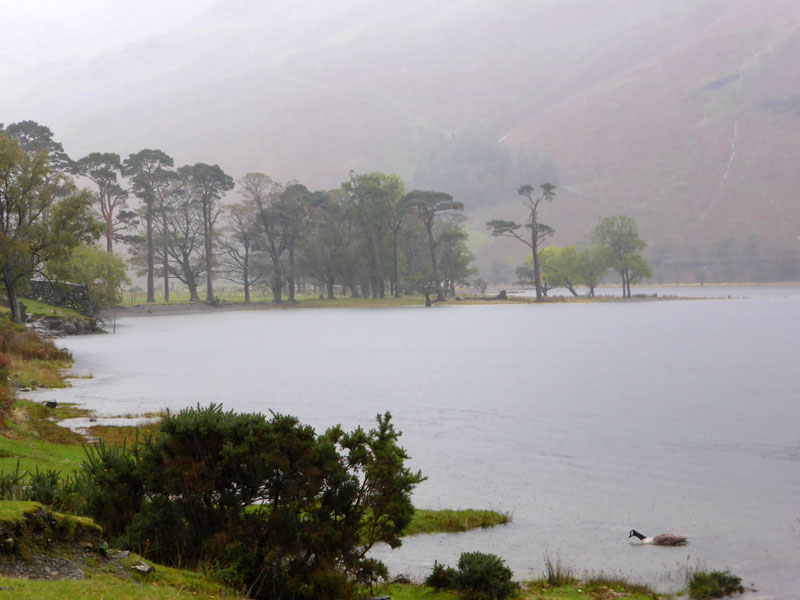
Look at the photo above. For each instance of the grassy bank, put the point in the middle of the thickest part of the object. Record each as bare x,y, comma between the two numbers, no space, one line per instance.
454,521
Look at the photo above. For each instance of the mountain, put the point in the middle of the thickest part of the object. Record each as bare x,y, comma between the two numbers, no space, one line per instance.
681,113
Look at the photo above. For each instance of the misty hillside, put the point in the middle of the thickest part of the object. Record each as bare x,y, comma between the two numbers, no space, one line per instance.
681,113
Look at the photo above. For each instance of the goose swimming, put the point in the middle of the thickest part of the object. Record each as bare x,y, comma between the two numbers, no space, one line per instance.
663,539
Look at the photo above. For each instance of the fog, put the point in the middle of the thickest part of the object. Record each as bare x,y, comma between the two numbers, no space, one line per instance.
678,113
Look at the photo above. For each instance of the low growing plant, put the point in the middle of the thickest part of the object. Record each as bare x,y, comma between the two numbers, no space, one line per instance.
479,576
714,584
441,577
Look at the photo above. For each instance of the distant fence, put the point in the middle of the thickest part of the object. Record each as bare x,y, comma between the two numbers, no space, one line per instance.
65,295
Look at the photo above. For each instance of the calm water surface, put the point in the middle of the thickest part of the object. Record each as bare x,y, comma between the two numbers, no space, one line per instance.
582,421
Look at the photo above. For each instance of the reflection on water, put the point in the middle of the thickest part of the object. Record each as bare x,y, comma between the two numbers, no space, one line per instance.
582,421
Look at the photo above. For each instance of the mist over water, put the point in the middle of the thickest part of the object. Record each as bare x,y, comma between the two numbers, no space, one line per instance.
582,421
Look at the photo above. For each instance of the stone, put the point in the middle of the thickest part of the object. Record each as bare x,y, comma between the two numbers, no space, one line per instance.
143,568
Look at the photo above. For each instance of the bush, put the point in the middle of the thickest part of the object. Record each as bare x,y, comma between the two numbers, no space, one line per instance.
714,584
110,481
44,486
479,577
441,577
267,504
12,485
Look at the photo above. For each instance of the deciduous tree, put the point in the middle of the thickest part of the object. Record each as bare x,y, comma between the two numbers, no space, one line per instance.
619,238
42,217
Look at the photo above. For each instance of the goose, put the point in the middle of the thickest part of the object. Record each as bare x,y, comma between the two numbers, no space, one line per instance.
663,539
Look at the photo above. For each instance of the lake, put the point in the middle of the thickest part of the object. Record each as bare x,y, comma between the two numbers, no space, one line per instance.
582,421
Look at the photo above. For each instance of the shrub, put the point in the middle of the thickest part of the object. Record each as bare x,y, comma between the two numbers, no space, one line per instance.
441,577
479,577
12,485
484,577
44,486
110,481
714,584
267,504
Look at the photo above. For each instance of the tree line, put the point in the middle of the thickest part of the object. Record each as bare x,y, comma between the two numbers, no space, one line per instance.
368,237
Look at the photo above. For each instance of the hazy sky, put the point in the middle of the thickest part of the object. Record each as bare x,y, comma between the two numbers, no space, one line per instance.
309,90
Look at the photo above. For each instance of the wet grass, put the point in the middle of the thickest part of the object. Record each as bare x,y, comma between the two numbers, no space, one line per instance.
33,438
453,521
714,584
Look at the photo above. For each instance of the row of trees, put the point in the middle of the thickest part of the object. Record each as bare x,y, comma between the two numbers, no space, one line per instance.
368,236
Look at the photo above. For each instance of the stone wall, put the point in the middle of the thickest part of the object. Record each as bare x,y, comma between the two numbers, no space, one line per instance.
66,295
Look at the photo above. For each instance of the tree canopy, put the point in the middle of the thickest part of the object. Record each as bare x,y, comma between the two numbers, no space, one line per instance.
618,237
42,217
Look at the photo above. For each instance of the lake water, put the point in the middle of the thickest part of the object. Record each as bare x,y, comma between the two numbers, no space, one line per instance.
581,420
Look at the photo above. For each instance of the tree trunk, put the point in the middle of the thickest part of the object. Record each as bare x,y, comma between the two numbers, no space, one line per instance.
164,234
193,295
290,274
276,289
209,273
537,276
396,268
151,284
246,276
330,289
13,300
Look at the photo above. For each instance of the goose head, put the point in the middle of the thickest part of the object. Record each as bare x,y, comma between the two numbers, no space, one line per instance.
635,533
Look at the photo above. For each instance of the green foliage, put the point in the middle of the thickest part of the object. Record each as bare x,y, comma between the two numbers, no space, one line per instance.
44,486
102,273
270,503
479,576
42,217
110,481
452,521
714,584
618,238
441,577
12,484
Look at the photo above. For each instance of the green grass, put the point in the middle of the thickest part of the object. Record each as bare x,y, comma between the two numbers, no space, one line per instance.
413,592
164,583
532,590
713,584
453,521
13,511
34,307
33,438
